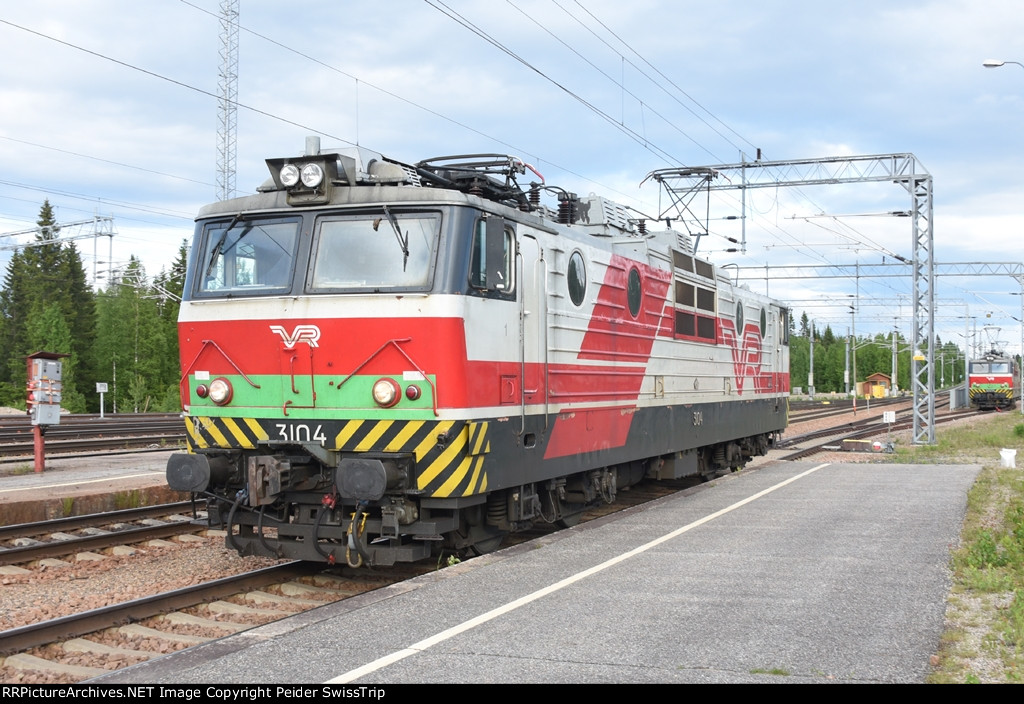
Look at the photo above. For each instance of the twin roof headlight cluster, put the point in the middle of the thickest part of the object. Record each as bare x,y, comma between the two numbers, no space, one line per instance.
311,175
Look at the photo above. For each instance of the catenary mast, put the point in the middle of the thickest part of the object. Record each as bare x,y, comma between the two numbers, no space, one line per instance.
228,90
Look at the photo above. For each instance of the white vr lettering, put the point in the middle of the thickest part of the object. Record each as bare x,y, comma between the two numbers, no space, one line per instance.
309,334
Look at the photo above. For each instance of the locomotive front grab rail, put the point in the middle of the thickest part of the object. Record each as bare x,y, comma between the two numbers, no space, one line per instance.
396,342
188,369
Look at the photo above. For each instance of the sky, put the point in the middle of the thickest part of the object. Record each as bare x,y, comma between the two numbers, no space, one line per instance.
110,109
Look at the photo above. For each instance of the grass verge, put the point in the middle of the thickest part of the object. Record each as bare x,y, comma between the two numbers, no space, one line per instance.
984,638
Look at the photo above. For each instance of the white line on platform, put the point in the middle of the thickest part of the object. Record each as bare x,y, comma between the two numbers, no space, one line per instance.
422,645
78,483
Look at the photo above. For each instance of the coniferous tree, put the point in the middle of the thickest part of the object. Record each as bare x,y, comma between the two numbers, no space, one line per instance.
45,279
131,348
168,287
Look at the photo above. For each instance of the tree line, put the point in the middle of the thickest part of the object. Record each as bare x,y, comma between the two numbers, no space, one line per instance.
124,334
833,359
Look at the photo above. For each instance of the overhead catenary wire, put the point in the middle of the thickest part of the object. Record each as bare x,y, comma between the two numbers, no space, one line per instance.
724,133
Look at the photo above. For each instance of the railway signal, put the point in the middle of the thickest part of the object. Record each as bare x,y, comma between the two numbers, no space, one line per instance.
43,396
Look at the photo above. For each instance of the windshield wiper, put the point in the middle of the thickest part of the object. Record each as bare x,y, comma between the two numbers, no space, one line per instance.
215,252
403,240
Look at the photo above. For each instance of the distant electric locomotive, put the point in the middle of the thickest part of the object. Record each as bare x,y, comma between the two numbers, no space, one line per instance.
990,381
383,360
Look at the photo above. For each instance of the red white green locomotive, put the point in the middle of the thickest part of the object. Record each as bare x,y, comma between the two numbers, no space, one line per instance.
990,381
383,360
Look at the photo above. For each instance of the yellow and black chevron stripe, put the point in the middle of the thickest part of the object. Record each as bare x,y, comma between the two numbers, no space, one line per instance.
1003,391
449,454
227,433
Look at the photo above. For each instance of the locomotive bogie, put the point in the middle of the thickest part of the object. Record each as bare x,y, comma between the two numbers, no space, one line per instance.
374,374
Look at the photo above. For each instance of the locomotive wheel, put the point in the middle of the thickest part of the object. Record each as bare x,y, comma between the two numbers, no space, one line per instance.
571,514
484,540
476,537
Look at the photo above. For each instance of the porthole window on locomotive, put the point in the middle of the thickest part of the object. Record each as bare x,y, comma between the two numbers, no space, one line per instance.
764,323
739,318
633,292
577,279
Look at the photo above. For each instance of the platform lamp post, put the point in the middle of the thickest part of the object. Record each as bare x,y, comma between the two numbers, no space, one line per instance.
996,63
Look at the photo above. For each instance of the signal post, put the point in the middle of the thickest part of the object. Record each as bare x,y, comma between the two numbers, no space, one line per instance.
43,396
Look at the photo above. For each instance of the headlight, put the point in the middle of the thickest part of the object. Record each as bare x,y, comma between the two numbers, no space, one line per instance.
289,175
312,175
386,392
220,391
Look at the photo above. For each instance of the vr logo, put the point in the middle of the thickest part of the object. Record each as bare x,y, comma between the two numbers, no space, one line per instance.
309,334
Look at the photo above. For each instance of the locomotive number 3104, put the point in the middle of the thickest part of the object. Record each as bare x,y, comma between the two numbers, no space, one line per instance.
300,432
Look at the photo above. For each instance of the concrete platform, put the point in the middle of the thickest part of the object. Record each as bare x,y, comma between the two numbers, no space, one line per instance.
76,485
791,572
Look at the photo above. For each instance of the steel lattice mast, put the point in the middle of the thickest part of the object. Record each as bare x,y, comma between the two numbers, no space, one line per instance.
228,90
680,184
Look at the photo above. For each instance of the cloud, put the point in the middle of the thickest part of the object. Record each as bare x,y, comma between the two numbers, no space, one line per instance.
597,93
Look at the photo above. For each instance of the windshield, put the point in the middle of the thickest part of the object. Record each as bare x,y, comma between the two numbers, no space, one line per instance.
247,256
390,250
990,368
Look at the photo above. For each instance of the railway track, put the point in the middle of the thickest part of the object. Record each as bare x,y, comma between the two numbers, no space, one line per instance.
829,438
29,542
805,411
136,630
89,433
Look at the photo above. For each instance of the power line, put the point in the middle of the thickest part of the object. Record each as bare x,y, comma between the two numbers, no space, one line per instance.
360,81
106,161
174,81
639,139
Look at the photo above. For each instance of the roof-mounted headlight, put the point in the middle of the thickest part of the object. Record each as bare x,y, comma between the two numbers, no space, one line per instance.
306,180
289,175
312,175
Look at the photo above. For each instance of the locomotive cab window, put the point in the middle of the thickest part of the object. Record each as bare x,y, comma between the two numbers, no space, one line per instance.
388,250
990,367
247,257
492,256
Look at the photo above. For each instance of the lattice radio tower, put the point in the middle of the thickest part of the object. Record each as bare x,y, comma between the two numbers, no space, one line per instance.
228,113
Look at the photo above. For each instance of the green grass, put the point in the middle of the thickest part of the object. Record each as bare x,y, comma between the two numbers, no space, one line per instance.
127,499
984,641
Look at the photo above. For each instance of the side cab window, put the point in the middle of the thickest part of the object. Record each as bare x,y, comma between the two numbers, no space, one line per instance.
491,270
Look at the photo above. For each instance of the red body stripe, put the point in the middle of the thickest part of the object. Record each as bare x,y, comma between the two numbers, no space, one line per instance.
990,379
589,430
613,334
437,346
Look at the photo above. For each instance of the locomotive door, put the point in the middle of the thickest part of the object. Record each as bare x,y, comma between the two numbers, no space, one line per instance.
532,328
